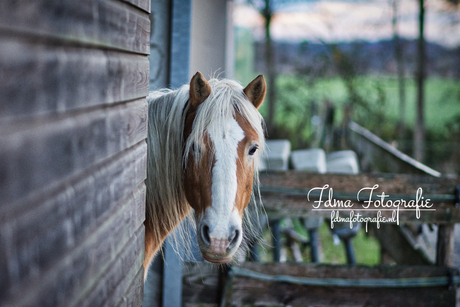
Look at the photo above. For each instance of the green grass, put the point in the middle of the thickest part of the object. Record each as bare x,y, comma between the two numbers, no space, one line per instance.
442,98
367,248
375,107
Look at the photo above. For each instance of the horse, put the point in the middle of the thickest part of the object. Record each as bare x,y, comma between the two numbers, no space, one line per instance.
204,144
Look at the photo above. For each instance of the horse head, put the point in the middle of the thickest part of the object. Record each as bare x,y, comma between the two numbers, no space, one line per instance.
223,140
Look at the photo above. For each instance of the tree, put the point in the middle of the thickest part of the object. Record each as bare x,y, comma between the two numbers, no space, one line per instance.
419,129
267,8
400,69
267,12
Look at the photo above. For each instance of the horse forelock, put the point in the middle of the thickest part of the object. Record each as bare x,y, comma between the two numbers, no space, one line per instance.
215,113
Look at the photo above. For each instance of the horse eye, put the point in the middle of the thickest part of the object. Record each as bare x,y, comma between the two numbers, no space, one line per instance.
253,150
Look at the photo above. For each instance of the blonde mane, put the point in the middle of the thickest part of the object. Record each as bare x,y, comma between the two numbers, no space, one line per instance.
168,151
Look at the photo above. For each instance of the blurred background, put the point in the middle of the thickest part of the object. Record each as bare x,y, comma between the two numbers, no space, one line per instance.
391,66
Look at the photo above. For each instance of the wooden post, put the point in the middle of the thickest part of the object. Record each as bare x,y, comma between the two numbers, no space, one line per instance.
445,247
419,129
172,274
351,259
178,75
313,234
275,225
224,286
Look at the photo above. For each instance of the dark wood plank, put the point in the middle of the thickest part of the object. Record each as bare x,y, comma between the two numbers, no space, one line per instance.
54,224
250,293
200,283
390,183
37,155
279,204
346,271
445,247
99,23
257,292
38,79
118,241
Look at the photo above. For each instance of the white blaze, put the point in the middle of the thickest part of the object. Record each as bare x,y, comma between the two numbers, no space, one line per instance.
224,181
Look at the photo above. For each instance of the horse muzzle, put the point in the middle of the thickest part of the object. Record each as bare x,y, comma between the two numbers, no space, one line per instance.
218,244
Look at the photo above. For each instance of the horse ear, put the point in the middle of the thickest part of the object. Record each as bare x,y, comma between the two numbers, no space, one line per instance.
255,91
199,90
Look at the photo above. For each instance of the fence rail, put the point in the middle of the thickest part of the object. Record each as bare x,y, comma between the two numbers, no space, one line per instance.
333,285
376,154
298,193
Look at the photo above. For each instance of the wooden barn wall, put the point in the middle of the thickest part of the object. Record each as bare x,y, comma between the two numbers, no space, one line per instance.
73,123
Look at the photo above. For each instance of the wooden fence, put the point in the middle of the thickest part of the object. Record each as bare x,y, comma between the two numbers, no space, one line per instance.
376,155
296,194
340,285
284,193
73,121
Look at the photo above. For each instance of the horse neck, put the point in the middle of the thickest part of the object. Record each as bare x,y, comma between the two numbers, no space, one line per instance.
166,204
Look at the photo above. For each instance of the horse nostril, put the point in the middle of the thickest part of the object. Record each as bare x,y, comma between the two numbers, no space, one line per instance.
233,238
205,235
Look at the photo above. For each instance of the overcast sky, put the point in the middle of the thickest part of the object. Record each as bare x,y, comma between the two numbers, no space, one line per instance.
346,21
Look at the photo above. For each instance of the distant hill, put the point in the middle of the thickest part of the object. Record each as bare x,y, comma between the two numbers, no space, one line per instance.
366,57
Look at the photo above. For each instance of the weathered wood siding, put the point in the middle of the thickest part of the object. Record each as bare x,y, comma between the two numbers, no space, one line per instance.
73,123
